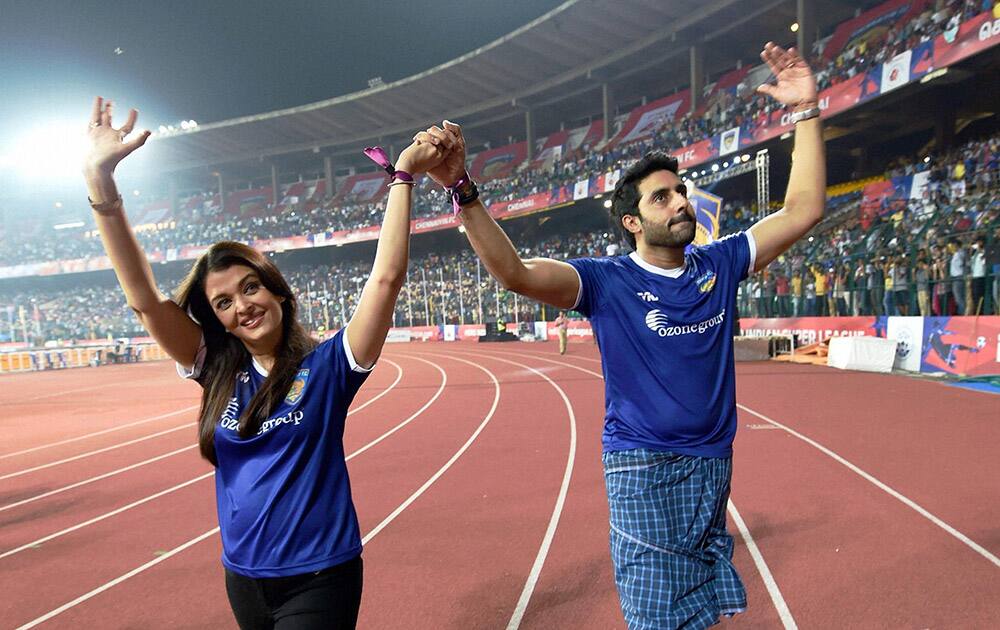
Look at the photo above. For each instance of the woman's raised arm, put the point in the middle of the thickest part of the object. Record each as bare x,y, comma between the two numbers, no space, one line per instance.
177,334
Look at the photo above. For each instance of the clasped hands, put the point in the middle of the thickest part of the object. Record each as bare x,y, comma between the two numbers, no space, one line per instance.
438,151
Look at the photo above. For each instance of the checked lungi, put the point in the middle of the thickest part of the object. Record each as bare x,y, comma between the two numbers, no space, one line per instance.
669,544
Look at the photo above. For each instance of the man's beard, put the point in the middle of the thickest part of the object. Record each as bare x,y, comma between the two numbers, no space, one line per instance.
658,235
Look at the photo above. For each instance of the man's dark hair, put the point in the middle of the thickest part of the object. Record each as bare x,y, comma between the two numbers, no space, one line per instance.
625,198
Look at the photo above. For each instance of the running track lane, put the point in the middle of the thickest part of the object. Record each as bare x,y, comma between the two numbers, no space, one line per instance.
174,559
935,445
458,556
450,418
142,532
885,581
565,594
743,619
102,400
52,498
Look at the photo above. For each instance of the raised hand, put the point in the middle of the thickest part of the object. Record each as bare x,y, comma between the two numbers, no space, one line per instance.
107,144
796,84
452,167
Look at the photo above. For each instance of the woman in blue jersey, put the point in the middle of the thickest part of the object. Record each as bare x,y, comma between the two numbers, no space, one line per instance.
274,401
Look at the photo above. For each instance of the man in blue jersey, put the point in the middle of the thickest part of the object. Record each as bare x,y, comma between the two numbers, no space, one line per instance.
663,321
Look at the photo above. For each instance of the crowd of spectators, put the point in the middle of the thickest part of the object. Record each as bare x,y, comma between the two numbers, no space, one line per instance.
938,254
34,242
441,288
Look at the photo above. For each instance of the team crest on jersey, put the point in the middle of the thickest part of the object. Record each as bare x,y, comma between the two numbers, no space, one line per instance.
298,386
706,282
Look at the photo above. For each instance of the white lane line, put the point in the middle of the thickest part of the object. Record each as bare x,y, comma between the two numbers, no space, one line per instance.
124,382
64,392
96,478
399,375
96,433
765,573
550,531
55,379
106,515
427,484
118,580
18,473
885,488
437,394
193,541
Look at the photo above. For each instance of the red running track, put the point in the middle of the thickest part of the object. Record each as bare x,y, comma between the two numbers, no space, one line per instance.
867,500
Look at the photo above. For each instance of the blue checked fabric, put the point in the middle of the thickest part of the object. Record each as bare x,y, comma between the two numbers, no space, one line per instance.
669,544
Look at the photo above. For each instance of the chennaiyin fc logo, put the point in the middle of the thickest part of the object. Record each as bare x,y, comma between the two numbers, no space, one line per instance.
706,282
656,320
298,386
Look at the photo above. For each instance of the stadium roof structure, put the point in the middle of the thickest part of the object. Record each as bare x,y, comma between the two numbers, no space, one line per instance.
573,48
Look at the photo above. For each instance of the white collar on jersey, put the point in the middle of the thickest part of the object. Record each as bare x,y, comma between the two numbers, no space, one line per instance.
675,272
257,366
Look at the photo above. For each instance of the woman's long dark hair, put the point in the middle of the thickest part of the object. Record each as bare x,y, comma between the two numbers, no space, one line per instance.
226,356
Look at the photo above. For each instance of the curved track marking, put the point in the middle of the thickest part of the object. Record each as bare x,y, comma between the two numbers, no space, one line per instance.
882,486
427,484
88,435
64,392
776,598
97,519
118,580
437,394
176,550
96,478
550,531
399,375
18,473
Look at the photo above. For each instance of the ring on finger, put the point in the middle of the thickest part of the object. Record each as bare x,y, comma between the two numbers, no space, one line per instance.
95,125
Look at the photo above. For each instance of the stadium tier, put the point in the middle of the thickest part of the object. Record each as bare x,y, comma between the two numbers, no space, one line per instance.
860,60
901,241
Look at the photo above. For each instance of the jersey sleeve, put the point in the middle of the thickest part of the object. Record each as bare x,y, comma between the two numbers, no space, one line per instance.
336,353
737,252
589,297
194,372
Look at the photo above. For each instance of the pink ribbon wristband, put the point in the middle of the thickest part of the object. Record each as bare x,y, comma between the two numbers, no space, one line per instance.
378,155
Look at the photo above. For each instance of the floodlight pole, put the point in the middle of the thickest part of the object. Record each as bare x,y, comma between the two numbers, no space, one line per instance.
763,183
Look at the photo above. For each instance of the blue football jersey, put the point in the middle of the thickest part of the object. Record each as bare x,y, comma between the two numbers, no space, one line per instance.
283,494
666,341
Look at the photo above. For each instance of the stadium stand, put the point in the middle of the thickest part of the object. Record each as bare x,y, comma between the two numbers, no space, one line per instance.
930,249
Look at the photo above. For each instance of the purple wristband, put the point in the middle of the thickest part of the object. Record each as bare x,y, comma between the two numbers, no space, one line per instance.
453,192
378,155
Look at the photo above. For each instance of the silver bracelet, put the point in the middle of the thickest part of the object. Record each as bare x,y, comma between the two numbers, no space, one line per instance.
805,114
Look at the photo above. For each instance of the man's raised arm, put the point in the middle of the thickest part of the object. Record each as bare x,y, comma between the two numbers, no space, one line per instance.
543,279
805,198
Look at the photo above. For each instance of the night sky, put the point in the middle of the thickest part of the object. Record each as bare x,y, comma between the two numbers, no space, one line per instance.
216,59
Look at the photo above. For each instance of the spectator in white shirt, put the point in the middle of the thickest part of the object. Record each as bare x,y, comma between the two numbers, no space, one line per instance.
957,273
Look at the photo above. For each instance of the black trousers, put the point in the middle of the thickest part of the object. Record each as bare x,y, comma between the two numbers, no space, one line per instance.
324,600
